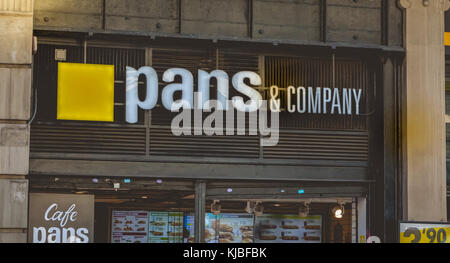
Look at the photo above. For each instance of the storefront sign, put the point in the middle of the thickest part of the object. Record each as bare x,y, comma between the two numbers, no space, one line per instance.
312,100
86,92
60,218
424,233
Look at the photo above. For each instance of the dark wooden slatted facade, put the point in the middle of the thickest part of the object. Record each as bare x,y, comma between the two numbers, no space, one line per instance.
302,136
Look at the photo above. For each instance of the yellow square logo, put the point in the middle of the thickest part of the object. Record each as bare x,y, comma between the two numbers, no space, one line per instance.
85,92
447,38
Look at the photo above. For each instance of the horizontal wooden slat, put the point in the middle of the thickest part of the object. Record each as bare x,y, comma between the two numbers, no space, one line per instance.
293,144
344,146
162,142
87,139
302,138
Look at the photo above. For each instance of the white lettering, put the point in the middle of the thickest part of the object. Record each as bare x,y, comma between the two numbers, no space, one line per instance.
255,96
132,92
39,235
311,100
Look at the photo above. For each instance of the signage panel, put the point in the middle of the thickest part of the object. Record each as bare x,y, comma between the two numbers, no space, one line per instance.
61,218
424,232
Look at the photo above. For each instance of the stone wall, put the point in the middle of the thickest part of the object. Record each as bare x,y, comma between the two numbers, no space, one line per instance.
16,36
357,22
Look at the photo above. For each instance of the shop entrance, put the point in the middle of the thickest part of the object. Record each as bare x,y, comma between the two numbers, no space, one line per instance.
285,212
282,221
130,210
153,210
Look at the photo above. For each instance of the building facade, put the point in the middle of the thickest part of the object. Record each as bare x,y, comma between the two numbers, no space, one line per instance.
380,159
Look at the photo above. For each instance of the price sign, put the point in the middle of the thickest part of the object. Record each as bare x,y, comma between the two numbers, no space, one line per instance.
424,233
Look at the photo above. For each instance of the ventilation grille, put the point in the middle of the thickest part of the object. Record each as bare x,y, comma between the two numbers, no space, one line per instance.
318,72
88,140
162,142
305,145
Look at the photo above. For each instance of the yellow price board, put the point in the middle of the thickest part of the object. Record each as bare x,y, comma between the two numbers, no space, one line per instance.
424,233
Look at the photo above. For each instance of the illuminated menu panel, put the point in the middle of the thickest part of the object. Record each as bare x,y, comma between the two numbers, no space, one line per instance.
288,229
229,228
129,227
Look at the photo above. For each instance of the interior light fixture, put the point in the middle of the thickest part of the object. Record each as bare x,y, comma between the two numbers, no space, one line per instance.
338,211
259,209
304,209
250,207
216,207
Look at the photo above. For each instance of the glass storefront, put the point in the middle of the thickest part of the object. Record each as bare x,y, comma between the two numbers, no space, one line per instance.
130,210
162,211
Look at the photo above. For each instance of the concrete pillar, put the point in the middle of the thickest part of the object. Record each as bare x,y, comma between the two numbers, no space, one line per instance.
424,109
199,221
16,36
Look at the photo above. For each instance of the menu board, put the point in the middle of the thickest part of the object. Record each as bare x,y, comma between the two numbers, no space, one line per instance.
211,222
129,227
189,228
165,227
288,229
175,231
229,228
158,227
176,227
